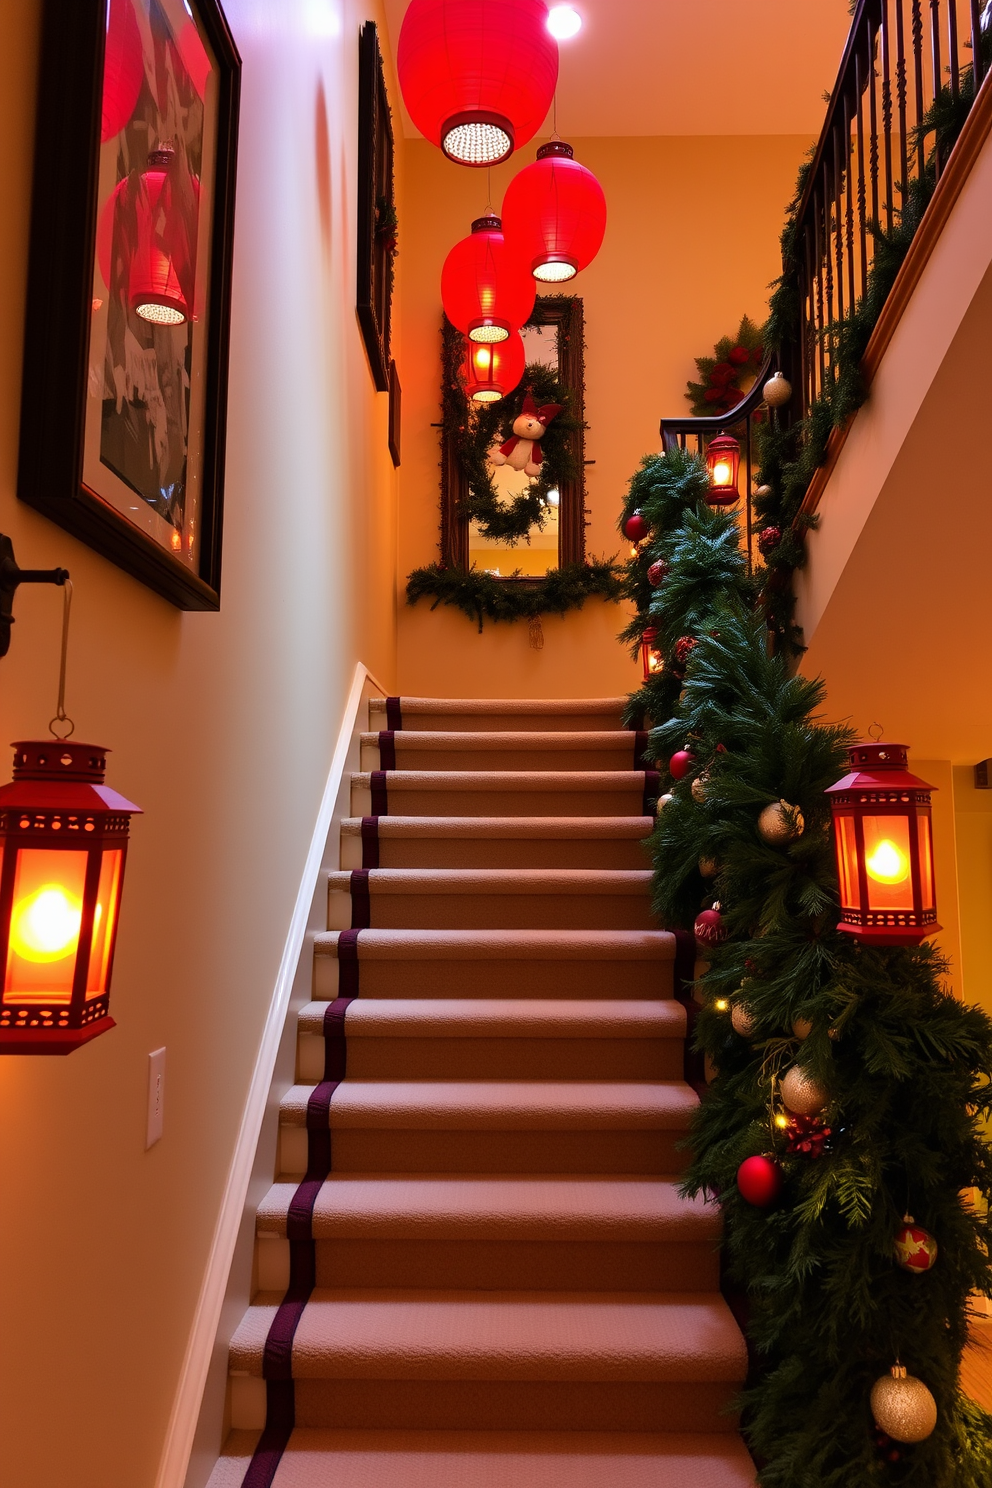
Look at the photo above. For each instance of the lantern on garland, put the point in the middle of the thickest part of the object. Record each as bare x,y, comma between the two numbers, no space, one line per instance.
63,835
485,291
723,458
554,212
491,369
477,77
884,847
652,657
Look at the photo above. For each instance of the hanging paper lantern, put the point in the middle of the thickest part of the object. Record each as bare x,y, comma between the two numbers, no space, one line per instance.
652,657
723,457
477,76
884,847
554,213
759,1181
194,57
490,369
485,291
154,220
123,68
63,844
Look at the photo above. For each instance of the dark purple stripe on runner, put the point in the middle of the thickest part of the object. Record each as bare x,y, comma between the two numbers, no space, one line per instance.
280,1418
387,750
640,747
693,1062
361,904
394,713
652,789
348,971
380,800
370,842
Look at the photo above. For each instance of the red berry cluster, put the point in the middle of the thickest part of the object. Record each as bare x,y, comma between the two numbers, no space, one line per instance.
769,539
888,1449
807,1135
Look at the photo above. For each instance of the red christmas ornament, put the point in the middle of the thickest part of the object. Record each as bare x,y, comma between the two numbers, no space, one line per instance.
123,69
636,527
769,539
916,1249
759,1181
807,1135
490,370
657,573
681,763
477,76
684,647
554,213
485,291
710,928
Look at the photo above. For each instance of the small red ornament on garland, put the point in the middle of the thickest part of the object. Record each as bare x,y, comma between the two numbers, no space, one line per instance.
807,1135
657,573
710,928
684,647
636,527
769,539
681,763
759,1180
915,1247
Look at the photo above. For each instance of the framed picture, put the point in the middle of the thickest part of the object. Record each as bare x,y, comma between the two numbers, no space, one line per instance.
395,413
376,208
123,416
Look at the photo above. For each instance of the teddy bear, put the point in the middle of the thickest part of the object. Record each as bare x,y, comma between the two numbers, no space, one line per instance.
523,450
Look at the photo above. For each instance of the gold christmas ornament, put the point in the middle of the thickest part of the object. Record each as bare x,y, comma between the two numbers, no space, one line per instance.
698,788
742,1019
777,391
663,802
801,1029
780,823
709,867
903,1406
762,490
802,1094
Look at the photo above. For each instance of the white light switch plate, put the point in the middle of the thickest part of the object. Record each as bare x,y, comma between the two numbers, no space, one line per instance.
156,1097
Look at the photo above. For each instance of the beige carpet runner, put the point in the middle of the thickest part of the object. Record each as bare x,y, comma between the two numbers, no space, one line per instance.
474,1268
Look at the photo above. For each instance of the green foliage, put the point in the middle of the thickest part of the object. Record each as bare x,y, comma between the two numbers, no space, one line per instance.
481,597
727,375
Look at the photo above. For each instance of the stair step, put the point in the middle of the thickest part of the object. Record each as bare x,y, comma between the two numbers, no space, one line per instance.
492,1459
503,714
449,1359
491,899
490,963
499,1126
499,842
421,749
539,1233
506,793
500,1039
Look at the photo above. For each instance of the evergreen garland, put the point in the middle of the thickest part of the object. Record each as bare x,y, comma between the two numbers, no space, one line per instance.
727,375
906,1066
481,597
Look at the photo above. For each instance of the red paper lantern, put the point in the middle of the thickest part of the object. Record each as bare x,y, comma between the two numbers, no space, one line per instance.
490,369
554,213
723,457
652,657
123,68
477,76
154,217
63,835
759,1181
884,847
485,291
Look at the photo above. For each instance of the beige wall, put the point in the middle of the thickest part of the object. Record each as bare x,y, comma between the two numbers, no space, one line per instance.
221,728
691,245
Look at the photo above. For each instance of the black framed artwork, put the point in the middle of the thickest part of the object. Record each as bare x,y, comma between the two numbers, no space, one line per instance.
395,413
123,418
376,208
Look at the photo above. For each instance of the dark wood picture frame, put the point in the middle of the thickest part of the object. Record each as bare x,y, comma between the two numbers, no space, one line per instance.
566,314
376,208
60,301
395,413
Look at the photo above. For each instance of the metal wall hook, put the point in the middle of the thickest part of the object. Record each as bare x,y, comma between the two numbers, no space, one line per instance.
10,577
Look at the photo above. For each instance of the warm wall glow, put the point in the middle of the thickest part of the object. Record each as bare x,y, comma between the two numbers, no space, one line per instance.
45,925
887,865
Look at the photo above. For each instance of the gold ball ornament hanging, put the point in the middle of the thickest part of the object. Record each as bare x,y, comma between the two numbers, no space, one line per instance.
780,823
698,788
777,391
663,802
903,1406
709,867
801,1028
742,1019
802,1094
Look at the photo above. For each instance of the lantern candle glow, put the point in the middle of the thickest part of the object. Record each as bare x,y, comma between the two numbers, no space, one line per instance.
652,657
723,456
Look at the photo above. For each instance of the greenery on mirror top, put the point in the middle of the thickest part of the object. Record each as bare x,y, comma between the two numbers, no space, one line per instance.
481,596
905,1066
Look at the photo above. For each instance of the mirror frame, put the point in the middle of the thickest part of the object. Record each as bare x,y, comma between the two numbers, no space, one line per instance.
565,313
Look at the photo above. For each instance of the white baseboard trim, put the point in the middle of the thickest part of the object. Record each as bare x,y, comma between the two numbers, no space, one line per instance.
199,1350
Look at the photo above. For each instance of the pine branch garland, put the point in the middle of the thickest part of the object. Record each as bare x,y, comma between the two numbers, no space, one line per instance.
481,597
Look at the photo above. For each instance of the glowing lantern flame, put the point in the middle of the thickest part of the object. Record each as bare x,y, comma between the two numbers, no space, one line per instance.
45,925
887,864
722,473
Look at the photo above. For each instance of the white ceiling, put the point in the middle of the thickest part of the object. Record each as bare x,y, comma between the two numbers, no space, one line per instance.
661,67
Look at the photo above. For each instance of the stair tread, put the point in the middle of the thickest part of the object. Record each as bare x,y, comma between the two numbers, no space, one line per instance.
525,828
522,1105
518,740
565,1336
498,880
505,780
412,1207
326,1458
502,1018
518,945
523,706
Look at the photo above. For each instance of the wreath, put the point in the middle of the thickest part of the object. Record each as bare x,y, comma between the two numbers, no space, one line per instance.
474,429
729,373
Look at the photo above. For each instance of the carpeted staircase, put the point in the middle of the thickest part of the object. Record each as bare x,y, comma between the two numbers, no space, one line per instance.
475,1270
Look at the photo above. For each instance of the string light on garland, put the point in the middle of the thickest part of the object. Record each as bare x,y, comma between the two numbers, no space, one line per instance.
485,291
554,213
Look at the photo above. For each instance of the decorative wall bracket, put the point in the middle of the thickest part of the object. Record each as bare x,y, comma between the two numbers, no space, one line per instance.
10,577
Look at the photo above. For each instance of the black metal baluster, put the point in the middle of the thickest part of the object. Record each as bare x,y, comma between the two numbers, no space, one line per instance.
976,41
901,97
838,203
849,171
887,113
921,153
952,47
862,192
873,125
808,330
819,258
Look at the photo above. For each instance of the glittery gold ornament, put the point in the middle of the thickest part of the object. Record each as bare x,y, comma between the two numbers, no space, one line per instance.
801,1028
903,1406
802,1093
698,788
663,802
709,867
742,1019
780,823
777,391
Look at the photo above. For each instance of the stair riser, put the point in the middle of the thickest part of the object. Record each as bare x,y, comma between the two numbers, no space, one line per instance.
503,978
503,852
514,1265
614,757
550,802
498,1059
517,1405
499,723
496,911
387,1150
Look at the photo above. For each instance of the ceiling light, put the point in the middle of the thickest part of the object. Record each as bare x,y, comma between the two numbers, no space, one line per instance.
564,22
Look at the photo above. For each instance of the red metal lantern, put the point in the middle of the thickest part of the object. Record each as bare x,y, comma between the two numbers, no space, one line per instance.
477,76
884,847
723,458
485,291
652,657
63,835
490,369
554,214
123,68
